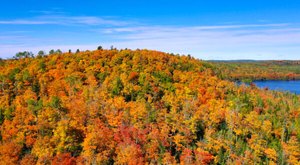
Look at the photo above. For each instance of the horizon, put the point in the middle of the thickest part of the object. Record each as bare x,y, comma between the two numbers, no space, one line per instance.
47,53
230,30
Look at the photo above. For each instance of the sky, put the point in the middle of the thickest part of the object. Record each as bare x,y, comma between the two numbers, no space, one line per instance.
209,30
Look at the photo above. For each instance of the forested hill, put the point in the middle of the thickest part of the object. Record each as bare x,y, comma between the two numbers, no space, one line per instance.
247,70
139,107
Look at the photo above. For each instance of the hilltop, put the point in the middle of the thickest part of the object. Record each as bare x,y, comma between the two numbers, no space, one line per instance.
138,107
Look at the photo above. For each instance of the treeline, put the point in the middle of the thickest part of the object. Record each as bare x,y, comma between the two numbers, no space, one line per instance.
42,53
139,107
258,70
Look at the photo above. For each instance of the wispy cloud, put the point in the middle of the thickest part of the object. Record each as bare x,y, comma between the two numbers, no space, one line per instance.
189,28
259,41
26,22
53,11
64,20
206,35
228,41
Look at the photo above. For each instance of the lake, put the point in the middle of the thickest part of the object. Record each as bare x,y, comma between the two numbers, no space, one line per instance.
281,85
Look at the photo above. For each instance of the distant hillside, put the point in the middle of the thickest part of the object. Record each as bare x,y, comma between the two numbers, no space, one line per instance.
235,61
139,107
250,70
279,62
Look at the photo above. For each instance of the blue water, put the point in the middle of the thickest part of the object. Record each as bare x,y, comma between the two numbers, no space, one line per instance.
280,85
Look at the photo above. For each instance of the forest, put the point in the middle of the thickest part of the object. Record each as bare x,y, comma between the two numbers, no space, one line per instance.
248,71
144,107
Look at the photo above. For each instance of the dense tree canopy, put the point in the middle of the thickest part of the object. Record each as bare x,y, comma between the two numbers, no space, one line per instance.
248,71
138,107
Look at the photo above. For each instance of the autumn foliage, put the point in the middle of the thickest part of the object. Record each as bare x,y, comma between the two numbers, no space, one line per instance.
139,107
248,71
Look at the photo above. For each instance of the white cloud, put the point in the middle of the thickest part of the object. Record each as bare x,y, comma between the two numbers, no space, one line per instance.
261,41
26,22
230,41
54,11
64,20
189,28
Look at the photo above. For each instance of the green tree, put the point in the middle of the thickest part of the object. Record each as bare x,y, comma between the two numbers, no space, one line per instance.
41,53
99,48
24,54
58,51
51,51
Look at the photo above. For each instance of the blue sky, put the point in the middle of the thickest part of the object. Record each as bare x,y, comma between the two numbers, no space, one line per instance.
228,29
